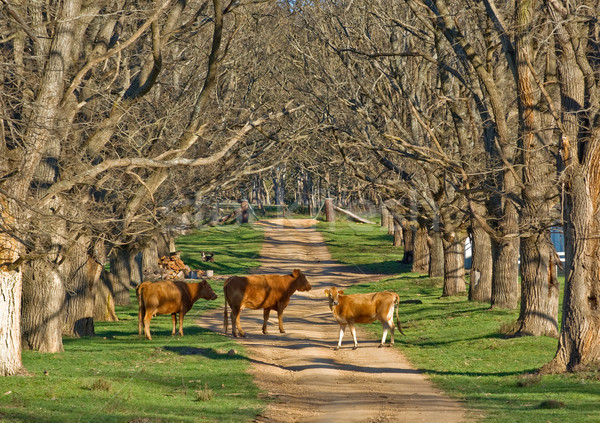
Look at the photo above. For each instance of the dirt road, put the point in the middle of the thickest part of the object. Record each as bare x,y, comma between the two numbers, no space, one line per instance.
301,372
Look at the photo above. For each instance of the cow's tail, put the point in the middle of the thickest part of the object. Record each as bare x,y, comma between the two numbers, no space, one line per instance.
397,304
142,306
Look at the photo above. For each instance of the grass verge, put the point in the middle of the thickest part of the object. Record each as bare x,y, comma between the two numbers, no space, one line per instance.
117,376
458,344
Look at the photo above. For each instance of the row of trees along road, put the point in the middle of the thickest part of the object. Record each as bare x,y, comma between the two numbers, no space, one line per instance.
462,117
472,116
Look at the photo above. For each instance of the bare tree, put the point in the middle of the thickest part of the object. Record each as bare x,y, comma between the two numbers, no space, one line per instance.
91,124
576,32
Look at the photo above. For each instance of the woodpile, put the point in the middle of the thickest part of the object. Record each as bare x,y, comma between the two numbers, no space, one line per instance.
172,267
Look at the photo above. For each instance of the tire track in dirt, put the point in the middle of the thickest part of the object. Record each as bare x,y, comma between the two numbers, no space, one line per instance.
301,373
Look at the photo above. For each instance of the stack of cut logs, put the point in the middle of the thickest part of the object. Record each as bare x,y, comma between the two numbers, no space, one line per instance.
172,267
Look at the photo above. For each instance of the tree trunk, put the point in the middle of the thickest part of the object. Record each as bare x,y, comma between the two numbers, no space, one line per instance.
539,287
329,211
398,237
409,246
81,275
421,251
135,264
104,304
11,285
43,307
165,244
385,215
149,258
579,342
454,263
121,273
480,288
505,273
436,255
10,319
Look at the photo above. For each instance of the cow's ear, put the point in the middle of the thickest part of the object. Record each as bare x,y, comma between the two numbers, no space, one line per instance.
327,292
296,272
340,292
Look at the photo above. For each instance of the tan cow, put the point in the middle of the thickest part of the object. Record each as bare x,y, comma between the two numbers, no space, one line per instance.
169,297
269,292
364,308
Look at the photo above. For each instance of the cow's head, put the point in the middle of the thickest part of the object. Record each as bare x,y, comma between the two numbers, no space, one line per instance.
301,281
334,296
206,291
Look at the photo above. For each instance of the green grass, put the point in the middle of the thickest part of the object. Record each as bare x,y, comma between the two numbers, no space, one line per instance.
118,377
236,248
367,246
458,345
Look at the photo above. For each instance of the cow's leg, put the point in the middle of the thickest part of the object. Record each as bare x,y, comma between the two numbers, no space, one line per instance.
174,320
280,317
237,324
147,318
385,332
353,330
342,327
140,320
234,313
181,314
266,312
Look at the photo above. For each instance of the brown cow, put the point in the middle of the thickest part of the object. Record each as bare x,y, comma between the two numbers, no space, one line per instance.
364,308
269,292
169,297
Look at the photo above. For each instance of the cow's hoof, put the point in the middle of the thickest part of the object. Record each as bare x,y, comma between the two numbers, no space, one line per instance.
281,331
336,348
355,347
380,345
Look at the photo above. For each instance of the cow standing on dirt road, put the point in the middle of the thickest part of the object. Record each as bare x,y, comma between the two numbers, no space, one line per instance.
269,292
364,308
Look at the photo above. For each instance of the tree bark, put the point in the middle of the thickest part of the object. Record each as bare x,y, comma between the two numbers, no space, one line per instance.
10,314
454,263
43,307
120,269
579,342
149,258
539,288
11,285
421,251
104,303
505,273
398,233
81,274
436,254
539,291
480,288
329,210
409,246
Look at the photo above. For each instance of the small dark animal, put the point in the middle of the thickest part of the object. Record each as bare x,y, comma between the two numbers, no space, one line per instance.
208,256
